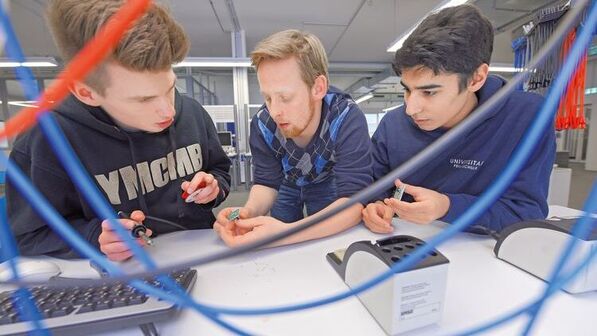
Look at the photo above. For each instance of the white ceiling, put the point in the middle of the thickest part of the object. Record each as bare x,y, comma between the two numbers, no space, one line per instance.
351,30
374,25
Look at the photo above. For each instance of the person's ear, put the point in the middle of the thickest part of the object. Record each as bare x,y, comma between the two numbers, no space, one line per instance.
479,77
85,94
320,87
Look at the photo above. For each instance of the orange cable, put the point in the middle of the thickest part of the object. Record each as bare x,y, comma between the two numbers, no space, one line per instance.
94,52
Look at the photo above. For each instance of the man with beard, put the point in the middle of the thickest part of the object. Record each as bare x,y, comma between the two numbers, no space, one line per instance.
310,146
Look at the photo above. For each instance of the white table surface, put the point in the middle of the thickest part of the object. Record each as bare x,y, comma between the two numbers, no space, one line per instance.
480,287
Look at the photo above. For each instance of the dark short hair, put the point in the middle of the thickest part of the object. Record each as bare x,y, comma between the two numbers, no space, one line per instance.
455,40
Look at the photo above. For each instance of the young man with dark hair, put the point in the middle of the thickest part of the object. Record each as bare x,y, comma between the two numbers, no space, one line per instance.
141,141
444,67
310,146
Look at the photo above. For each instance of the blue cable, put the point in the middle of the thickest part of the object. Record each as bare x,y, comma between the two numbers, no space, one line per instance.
83,182
421,249
519,46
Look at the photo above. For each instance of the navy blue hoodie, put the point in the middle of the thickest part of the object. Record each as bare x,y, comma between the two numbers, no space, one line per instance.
339,149
119,162
466,169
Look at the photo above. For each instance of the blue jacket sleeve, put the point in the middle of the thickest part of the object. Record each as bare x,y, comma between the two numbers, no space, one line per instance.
353,169
524,199
267,168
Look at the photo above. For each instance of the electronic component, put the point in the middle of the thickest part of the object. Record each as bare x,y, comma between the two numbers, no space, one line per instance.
234,215
138,230
410,299
399,192
535,246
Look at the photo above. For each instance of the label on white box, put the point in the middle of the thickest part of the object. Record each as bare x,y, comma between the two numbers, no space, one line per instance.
418,310
414,300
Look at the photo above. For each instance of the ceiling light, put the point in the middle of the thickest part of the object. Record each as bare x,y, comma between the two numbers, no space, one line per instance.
391,107
214,62
398,43
499,68
32,62
25,103
364,98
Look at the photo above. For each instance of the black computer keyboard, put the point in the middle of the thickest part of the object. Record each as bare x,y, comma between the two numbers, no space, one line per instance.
86,310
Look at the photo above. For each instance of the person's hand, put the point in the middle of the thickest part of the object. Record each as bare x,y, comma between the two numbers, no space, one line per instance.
222,219
428,206
378,217
206,185
111,244
252,229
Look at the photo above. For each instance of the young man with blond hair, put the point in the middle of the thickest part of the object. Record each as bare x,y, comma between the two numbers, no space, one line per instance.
310,145
141,140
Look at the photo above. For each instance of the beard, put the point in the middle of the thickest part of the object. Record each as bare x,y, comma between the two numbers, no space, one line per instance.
294,131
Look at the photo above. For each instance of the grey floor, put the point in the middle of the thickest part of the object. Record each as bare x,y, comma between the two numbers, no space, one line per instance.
582,181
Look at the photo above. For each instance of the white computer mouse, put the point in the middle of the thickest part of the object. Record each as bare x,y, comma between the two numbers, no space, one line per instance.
30,270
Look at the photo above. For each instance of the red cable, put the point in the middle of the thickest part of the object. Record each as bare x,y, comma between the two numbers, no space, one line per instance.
562,119
94,52
580,120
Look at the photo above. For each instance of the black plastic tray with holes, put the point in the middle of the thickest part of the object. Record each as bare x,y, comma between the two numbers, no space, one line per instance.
389,250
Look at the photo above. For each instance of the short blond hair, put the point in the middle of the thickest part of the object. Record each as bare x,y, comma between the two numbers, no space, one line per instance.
153,43
306,47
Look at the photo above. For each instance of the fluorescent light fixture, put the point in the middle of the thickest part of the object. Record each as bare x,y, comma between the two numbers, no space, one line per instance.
214,62
39,64
499,68
7,64
364,98
391,107
590,91
32,62
398,43
24,103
